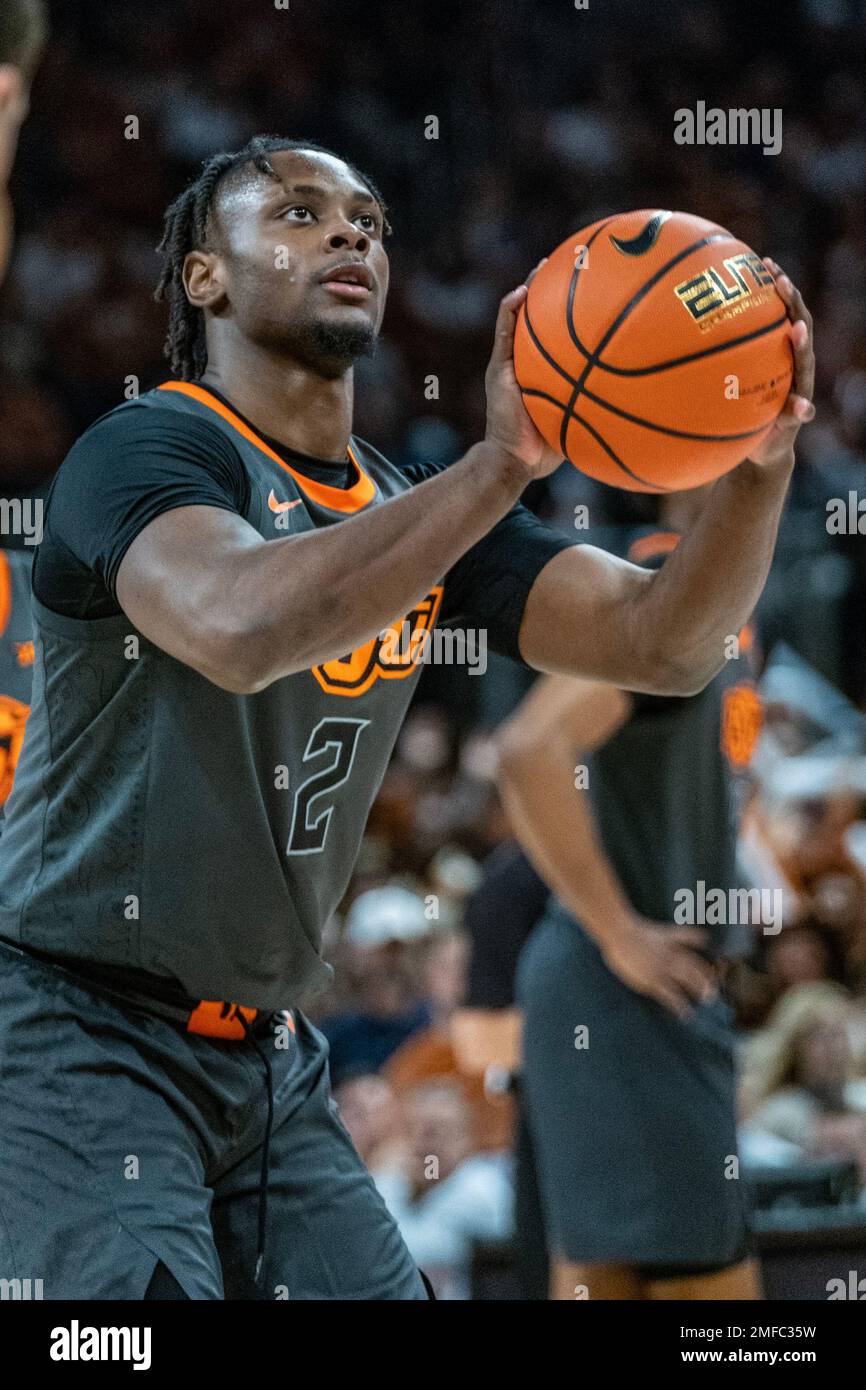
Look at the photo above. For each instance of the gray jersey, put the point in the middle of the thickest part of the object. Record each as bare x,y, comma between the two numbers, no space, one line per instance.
161,823
663,795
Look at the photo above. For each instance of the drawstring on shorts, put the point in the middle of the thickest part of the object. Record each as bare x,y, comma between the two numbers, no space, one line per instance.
266,1145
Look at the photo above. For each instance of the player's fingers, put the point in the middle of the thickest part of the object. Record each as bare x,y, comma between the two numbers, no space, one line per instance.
668,993
694,975
532,274
793,298
804,359
687,936
789,294
797,411
506,320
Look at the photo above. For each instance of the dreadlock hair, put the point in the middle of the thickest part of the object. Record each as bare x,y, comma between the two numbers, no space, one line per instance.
186,227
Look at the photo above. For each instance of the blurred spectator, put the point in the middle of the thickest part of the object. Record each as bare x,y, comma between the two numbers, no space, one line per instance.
799,1081
429,1053
382,928
369,1111
443,1198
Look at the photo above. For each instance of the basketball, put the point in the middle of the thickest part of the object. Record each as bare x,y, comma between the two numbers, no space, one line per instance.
653,351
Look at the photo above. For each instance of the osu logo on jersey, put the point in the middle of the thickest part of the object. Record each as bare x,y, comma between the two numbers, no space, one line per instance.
13,717
742,716
387,655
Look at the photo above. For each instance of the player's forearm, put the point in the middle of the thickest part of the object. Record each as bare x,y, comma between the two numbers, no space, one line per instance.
709,586
554,822
302,601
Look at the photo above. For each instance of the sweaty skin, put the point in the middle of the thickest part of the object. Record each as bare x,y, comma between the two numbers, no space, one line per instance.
203,585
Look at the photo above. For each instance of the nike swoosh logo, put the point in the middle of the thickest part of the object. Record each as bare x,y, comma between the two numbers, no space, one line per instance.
276,506
645,239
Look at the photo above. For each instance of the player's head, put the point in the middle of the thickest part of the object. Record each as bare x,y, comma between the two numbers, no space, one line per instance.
247,249
23,30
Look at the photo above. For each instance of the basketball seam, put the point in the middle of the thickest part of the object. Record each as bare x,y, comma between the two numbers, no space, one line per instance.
665,429
593,360
579,420
603,366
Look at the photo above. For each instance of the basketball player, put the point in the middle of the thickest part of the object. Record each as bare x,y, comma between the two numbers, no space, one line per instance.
632,1124
215,705
22,35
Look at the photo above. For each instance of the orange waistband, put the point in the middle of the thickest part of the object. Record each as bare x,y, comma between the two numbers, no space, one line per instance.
216,1018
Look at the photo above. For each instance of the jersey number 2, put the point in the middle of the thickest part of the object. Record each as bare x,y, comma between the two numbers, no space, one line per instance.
332,746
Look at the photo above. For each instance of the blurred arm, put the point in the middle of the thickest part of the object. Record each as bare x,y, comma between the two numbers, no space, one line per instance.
561,720
13,109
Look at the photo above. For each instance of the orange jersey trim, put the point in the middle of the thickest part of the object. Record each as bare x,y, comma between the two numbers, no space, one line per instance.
5,592
336,499
659,543
13,718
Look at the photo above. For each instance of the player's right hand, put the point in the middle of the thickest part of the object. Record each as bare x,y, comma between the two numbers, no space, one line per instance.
661,962
509,426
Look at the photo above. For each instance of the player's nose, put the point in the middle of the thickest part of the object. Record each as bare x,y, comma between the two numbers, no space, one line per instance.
346,236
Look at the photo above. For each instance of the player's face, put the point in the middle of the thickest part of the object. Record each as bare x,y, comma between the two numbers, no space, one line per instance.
304,268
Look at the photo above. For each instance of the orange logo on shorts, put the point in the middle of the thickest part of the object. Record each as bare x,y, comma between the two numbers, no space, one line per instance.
742,717
393,655
13,717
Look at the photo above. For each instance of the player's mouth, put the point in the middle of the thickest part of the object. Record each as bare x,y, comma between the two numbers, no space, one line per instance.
350,281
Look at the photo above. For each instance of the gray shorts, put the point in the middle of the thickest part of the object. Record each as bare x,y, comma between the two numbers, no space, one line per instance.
126,1143
631,1112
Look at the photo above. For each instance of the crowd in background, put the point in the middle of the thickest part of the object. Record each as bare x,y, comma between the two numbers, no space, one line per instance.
557,117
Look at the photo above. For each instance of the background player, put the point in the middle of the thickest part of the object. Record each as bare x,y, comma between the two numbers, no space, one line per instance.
633,1134
202,752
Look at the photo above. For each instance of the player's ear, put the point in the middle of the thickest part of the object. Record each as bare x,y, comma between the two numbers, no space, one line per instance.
203,279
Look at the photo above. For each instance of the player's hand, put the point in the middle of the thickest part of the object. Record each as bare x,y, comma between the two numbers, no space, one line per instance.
798,409
662,963
509,426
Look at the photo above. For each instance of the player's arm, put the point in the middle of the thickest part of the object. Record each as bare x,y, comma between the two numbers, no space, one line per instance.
13,109
23,28
202,584
664,631
558,725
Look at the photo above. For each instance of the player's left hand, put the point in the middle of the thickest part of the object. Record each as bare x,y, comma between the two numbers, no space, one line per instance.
798,409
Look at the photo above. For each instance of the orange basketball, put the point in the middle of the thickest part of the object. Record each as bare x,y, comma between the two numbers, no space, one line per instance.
653,351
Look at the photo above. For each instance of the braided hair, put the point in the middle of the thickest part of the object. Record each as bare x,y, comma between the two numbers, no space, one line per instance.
186,227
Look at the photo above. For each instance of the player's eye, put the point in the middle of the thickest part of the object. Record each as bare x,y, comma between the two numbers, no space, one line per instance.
370,222
300,213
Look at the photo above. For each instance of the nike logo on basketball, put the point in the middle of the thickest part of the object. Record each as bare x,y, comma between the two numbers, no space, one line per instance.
645,239
276,506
